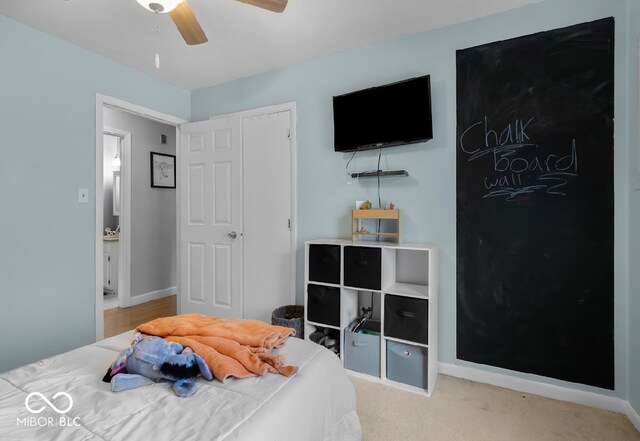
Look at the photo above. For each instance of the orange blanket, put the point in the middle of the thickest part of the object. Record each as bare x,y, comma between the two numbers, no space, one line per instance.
231,348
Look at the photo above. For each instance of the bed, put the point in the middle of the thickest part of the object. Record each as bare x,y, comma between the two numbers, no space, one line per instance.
318,403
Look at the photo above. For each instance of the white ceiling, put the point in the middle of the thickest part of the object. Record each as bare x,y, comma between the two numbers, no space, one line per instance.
243,40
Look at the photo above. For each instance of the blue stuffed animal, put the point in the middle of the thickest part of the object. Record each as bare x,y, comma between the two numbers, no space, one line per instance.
152,359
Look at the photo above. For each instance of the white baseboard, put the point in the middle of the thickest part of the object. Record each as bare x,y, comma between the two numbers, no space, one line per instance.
533,387
634,415
153,295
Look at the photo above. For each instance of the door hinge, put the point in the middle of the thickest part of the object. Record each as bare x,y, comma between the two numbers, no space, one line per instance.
109,259
289,223
289,135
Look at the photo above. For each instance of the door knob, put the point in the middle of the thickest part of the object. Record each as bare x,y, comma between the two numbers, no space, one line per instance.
232,235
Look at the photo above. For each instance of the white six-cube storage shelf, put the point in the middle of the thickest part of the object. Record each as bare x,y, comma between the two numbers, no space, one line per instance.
400,281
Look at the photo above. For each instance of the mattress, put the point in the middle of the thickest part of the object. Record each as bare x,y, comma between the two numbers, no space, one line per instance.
318,403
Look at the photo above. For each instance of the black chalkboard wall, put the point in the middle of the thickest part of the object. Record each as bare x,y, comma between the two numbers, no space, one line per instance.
535,204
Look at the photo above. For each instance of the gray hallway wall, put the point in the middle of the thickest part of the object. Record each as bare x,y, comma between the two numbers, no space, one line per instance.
153,210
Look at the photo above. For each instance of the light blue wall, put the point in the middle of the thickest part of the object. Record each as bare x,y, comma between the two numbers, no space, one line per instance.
427,198
634,135
47,151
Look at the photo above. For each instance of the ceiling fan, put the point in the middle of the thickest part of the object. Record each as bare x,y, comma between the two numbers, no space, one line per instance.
186,21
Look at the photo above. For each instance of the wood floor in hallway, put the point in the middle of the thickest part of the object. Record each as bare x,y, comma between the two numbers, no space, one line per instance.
118,320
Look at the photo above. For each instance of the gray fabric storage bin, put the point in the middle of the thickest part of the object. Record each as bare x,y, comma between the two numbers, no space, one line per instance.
362,351
407,364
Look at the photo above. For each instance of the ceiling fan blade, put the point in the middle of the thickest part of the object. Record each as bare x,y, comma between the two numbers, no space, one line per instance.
187,24
271,5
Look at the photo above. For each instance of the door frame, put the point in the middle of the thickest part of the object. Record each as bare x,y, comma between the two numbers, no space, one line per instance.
124,243
277,108
103,101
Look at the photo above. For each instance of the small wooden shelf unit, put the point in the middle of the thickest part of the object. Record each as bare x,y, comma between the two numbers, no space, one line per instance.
376,214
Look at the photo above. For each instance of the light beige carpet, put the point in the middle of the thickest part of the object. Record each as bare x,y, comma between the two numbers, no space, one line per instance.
463,410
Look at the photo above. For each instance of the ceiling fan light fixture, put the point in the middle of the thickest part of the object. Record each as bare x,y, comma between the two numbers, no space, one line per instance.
161,6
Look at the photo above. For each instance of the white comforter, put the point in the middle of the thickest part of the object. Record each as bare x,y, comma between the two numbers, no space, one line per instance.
316,404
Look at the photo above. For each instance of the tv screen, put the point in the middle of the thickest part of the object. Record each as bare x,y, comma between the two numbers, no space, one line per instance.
384,116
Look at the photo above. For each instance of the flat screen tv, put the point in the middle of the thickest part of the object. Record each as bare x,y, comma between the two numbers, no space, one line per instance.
384,116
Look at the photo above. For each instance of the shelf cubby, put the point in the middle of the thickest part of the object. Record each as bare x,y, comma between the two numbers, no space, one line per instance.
407,271
327,336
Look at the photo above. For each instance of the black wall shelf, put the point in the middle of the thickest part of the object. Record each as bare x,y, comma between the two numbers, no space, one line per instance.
373,174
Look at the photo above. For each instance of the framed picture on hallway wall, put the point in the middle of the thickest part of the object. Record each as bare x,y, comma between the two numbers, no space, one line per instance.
163,170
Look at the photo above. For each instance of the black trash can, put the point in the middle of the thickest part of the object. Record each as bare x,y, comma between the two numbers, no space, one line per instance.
290,316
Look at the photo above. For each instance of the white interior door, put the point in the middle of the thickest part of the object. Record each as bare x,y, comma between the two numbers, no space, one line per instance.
210,184
267,213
